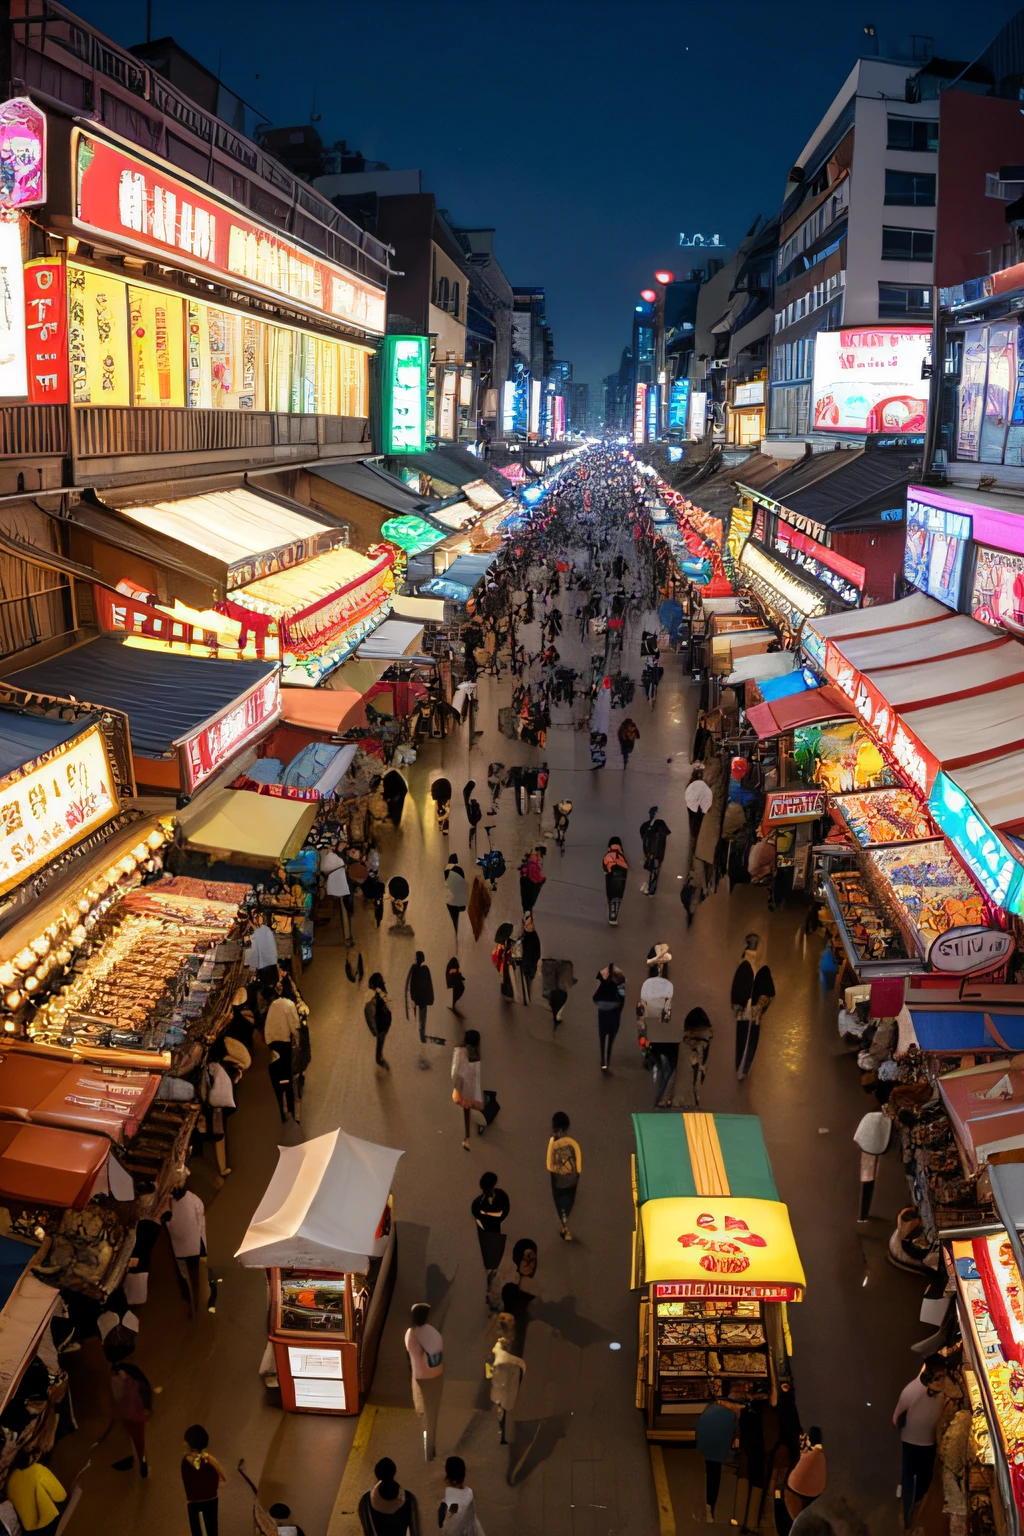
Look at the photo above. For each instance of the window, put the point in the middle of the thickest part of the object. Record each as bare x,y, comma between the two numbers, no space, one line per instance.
896,301
910,189
455,299
441,297
907,244
918,133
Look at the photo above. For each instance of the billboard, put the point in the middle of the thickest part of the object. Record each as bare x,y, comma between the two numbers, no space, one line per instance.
990,395
868,379
640,414
933,556
13,336
679,403
653,397
51,804
406,365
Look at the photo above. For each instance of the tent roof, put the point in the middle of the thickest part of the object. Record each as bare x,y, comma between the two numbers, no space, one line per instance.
700,1154
241,822
949,677
762,664
373,483
230,525
860,486
953,635
395,637
787,714
853,622
323,1206
996,789
23,738
984,1126
981,726
955,1029
330,710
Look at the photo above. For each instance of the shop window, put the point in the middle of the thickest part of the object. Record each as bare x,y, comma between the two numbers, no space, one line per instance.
916,133
156,322
907,244
441,298
897,301
910,189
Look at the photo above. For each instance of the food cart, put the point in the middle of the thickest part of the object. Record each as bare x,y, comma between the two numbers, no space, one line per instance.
715,1256
324,1231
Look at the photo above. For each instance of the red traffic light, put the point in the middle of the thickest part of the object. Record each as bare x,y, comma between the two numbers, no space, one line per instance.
664,277
648,295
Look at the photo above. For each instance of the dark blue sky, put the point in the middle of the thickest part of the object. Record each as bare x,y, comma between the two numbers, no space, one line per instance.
587,132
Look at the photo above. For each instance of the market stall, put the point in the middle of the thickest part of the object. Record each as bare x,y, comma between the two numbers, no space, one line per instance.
237,826
715,1258
876,816
324,1231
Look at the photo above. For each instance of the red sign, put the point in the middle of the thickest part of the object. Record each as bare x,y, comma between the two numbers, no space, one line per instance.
667,1290
144,206
46,331
796,540
278,791
127,616
911,756
218,741
785,806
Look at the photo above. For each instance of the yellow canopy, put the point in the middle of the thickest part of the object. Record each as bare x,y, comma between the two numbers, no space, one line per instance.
297,587
720,1240
249,826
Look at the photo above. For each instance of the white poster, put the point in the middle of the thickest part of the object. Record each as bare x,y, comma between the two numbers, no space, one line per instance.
13,347
868,379
698,415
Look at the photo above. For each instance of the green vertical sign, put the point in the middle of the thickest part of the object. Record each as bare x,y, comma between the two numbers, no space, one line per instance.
406,364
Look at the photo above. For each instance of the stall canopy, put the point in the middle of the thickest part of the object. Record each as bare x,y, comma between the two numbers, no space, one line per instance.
424,610
331,711
237,824
878,619
465,571
455,517
991,1029
373,483
985,1104
763,664
680,1156
788,714
858,487
26,1306
59,1093
323,1207
43,1165
391,641
797,681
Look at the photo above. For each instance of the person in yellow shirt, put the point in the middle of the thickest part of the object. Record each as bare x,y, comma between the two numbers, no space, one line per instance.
565,1164
35,1493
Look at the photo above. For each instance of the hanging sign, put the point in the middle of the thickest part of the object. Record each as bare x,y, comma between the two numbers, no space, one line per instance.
963,951
406,365
46,331
22,154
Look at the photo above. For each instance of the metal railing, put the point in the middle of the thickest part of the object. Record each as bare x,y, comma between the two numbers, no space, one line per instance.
116,431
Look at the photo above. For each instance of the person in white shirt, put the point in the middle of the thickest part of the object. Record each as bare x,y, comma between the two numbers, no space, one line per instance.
457,1515
261,955
425,1348
281,1032
916,1415
186,1227
336,885
698,799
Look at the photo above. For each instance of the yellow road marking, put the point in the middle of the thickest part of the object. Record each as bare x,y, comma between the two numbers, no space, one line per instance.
666,1516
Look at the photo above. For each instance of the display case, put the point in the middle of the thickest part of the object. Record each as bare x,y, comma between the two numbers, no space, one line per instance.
696,1345
989,1301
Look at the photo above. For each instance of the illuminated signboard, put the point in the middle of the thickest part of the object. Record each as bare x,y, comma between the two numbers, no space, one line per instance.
783,582
698,415
53,803
785,806
933,556
22,154
998,873
868,379
13,338
997,594
653,398
141,205
679,403
845,577
46,331
534,428
405,367
666,1290
640,414
214,744
410,533
508,407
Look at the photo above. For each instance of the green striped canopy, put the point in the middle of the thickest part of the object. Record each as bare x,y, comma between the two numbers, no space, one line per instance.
682,1155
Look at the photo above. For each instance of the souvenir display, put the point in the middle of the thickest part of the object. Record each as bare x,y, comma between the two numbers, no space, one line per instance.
992,1308
872,935
930,887
885,816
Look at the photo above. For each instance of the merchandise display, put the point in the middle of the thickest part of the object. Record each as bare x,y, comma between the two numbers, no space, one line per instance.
865,930
929,887
884,816
991,1298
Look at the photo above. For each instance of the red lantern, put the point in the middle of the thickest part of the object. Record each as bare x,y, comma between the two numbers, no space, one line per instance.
648,295
739,768
664,277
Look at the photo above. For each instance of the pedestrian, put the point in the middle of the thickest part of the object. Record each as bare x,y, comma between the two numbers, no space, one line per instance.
563,810
564,1162
202,1476
917,1413
133,1399
654,1016
186,1227
654,836
761,993
598,743
425,1348
441,794
716,1438
629,735
457,1514
490,1209
806,1481
377,1013
699,799
616,870
261,953
394,789
419,990
36,1493
495,783
456,892
740,994
455,982
609,997
697,1036
281,1033
336,886
387,1509
531,878
529,955
506,1372
474,815
466,1090
501,958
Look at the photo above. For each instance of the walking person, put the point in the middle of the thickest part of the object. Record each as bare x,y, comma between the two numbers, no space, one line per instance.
531,878
629,735
281,1033
609,997
337,888
377,1013
740,993
761,993
441,794
616,871
394,789
466,1090
201,1475
455,982
474,815
387,1509
654,1017
565,1164
425,1348
506,1371
699,799
490,1208
916,1414
654,836
697,1036
563,810
529,955
716,1438
133,1399
186,1227
456,891
457,1514
419,990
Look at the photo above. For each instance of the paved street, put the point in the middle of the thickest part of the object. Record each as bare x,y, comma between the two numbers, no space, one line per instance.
578,1458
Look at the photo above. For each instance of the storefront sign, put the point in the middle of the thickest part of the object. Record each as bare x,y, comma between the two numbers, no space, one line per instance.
679,403
653,398
405,367
640,414
534,408
679,1290
868,379
53,803
784,807
790,588
13,338
991,863
933,557
46,331
143,206
816,557
22,154
963,951
997,591
216,743
912,758
749,394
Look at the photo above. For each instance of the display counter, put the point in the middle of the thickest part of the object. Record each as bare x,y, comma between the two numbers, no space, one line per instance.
873,944
877,816
989,1301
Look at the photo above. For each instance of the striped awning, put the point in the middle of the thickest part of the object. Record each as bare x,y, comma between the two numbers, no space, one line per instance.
701,1154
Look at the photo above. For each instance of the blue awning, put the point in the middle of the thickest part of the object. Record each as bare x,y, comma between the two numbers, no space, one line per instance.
941,1029
781,687
23,738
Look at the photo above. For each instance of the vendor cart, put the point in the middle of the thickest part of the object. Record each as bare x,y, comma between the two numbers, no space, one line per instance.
716,1263
324,1231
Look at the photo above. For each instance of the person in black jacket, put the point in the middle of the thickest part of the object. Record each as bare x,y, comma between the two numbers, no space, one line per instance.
377,1014
529,955
739,996
419,990
761,993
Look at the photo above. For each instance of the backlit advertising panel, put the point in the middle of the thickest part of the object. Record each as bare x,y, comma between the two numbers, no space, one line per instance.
13,339
997,592
640,414
933,556
868,379
679,403
653,395
405,368
53,803
215,743
991,863
22,154
46,328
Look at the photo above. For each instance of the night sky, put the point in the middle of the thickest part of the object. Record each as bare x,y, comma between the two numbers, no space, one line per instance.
588,133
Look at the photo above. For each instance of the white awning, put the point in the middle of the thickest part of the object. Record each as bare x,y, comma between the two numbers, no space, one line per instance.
952,636
228,525
457,516
912,610
766,664
323,1207
395,637
425,609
